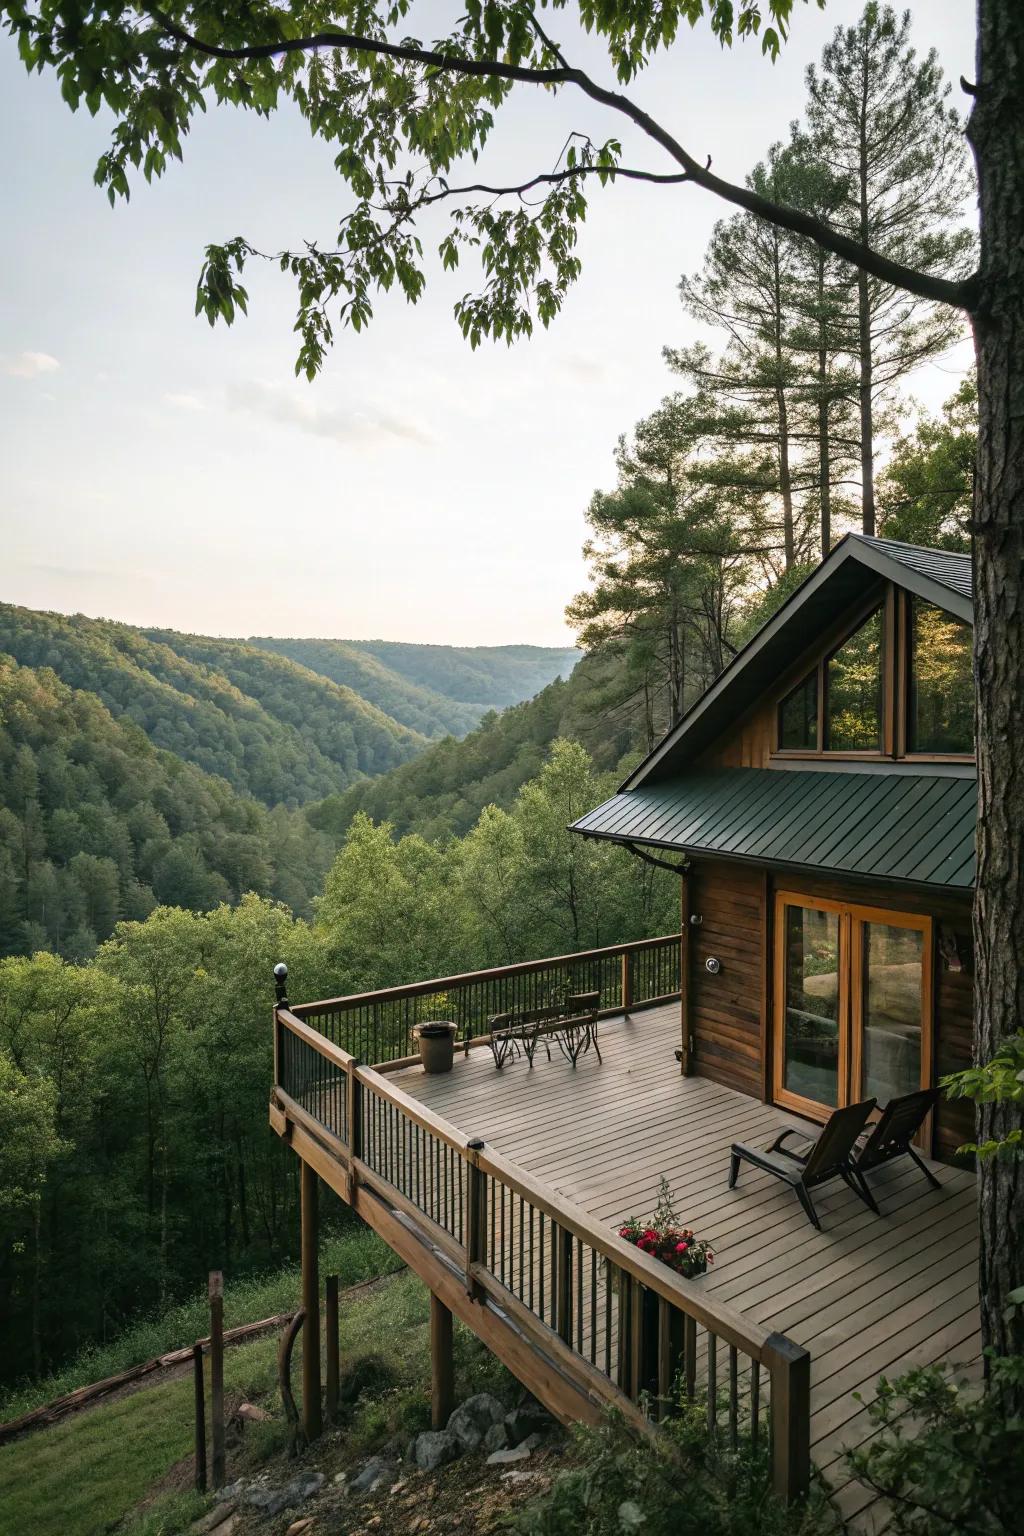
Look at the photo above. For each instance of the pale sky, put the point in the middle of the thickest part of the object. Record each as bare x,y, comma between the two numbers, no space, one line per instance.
160,472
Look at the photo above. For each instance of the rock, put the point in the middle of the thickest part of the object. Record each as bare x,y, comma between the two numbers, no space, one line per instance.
377,1473
433,1448
518,1478
506,1458
340,1478
274,1500
213,1519
496,1438
298,1526
231,1491
528,1420
532,1442
471,1421
252,1413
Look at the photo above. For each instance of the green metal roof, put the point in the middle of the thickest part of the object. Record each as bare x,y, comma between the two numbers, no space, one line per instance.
946,566
888,826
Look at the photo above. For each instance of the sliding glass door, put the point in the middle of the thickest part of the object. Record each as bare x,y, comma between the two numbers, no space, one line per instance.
852,1003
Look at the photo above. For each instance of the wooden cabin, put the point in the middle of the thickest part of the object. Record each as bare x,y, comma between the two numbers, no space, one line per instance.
818,803
822,794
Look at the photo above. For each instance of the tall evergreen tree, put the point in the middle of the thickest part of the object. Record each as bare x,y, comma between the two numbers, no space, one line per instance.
881,120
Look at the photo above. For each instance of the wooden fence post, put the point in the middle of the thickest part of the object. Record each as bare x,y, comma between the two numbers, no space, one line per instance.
354,1118
200,1396
442,1364
627,981
216,1294
312,1413
331,1331
476,1215
790,1408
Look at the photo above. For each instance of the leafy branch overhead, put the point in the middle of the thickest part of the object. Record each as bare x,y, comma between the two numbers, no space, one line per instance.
400,113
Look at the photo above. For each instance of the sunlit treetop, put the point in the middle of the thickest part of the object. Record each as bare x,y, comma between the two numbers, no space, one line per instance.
401,112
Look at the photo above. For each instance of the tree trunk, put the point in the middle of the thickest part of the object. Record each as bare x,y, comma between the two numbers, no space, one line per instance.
867,425
824,456
996,131
785,482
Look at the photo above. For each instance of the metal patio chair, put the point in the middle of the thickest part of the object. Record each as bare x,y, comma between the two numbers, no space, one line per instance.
830,1157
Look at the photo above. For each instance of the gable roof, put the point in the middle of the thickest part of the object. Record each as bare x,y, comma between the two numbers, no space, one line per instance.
917,828
855,566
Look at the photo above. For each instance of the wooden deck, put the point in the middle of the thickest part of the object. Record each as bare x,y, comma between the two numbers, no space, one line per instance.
868,1295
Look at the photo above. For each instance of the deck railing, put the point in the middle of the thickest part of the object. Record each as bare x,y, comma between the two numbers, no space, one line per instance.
377,1026
622,1327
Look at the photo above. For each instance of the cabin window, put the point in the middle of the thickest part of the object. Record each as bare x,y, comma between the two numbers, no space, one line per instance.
853,691
941,713
798,717
852,1003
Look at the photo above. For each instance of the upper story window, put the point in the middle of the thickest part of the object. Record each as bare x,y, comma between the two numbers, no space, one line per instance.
798,717
900,685
941,695
853,691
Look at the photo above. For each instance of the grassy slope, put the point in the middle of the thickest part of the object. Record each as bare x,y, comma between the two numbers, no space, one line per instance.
79,1477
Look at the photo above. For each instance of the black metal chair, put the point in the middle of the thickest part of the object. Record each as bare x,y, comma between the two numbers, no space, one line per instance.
830,1157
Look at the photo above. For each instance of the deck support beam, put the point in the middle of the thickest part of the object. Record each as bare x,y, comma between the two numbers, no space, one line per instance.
312,1413
442,1363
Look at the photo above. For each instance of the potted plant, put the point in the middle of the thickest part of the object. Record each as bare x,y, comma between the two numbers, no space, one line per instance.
436,1040
664,1237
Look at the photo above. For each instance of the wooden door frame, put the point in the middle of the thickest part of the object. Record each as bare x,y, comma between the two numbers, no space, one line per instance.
852,917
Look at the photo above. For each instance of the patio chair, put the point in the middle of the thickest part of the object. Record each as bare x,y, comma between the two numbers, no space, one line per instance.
829,1158
890,1137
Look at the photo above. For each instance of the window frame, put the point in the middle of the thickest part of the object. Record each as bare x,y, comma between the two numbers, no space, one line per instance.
896,606
852,919
879,603
905,622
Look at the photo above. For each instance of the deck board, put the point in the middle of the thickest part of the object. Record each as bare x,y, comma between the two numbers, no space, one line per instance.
867,1294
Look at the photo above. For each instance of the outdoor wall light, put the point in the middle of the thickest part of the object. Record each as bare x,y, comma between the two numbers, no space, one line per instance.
712,965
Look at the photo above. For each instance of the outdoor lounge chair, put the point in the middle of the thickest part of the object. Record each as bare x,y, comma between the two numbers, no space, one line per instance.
890,1137
830,1157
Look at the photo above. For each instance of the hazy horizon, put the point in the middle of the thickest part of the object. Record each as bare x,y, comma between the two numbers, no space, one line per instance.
164,474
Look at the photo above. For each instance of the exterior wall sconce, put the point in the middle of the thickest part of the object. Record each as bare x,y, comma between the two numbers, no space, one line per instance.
712,965
695,919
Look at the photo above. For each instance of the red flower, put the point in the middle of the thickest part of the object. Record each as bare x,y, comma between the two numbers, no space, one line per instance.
681,1247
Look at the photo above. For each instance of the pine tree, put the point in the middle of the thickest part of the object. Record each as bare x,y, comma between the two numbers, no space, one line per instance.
880,119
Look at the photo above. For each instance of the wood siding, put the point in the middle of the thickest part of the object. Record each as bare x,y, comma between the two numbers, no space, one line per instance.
726,1010
730,1013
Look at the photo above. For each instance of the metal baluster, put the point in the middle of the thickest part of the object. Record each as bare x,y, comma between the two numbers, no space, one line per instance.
755,1401
712,1384
733,1396
608,1317
522,1245
579,1295
593,1306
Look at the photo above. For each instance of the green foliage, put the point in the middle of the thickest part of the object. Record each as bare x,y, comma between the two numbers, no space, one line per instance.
439,690
97,824
670,1485
999,1081
398,116
927,490
947,1455
270,728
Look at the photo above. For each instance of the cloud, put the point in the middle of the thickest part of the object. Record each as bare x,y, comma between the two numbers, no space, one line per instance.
184,402
293,408
28,365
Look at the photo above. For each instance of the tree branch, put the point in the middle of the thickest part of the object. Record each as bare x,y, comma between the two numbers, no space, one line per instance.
960,293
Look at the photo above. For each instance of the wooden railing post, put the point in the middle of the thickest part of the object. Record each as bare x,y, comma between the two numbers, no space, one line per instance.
627,980
312,1413
476,1215
790,1368
333,1347
442,1364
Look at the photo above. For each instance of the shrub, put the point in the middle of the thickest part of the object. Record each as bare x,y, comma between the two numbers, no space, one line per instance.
948,1457
668,1485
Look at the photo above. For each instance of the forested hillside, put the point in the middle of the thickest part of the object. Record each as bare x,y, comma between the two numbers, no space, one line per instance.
97,824
270,728
134,1150
439,690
